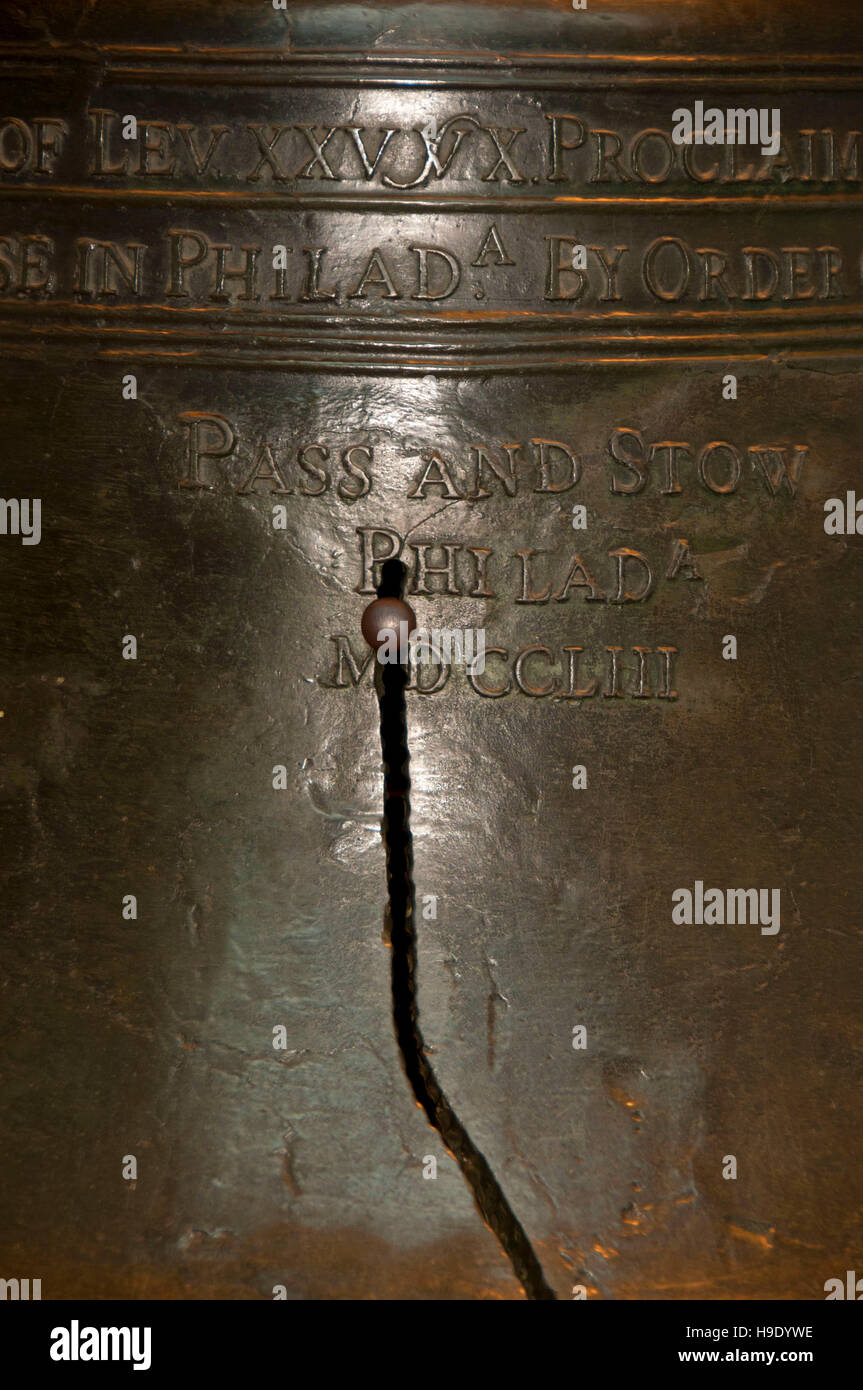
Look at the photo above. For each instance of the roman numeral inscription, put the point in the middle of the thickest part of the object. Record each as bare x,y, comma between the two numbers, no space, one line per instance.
540,147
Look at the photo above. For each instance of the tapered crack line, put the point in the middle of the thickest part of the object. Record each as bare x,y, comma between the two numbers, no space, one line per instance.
493,1206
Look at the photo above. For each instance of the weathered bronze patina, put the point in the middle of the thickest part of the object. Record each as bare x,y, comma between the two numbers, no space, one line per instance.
432,283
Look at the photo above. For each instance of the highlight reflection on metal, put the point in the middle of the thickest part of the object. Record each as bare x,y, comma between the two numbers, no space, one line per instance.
341,256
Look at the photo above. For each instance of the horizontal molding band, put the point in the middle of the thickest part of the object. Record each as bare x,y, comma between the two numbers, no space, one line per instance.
268,67
407,327
848,357
496,59
135,341
361,201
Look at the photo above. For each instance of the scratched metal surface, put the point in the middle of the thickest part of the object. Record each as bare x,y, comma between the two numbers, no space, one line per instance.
258,907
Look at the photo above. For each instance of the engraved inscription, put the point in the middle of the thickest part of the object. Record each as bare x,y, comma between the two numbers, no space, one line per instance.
629,468
385,147
398,263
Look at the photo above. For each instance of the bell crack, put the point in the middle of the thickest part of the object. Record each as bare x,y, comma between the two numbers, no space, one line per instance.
491,1202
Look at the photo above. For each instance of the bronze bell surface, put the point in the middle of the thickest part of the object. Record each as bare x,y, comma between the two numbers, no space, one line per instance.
546,321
